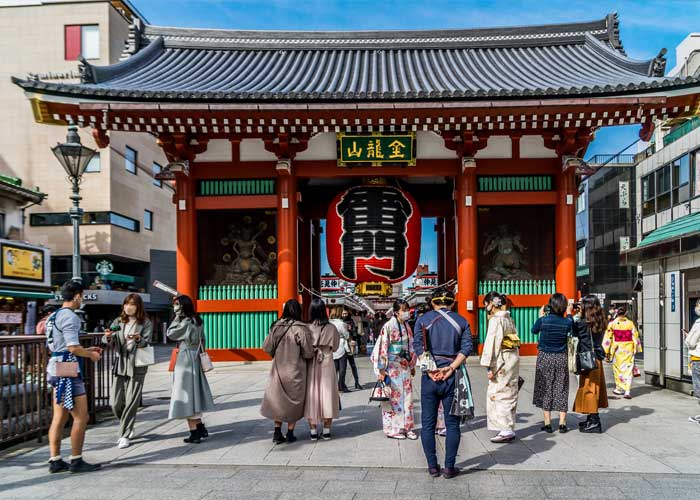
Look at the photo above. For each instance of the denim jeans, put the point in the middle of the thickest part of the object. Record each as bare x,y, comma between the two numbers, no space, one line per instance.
432,393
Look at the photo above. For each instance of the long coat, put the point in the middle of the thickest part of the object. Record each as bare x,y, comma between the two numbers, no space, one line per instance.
125,361
290,344
322,399
191,395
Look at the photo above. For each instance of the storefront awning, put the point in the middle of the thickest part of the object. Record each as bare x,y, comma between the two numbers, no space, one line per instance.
121,278
26,294
677,237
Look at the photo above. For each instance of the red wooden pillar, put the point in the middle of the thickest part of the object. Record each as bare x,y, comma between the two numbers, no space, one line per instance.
287,212
450,248
440,234
305,262
316,255
565,234
467,247
186,219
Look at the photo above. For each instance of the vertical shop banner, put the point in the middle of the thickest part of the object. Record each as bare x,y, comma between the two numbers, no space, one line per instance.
373,234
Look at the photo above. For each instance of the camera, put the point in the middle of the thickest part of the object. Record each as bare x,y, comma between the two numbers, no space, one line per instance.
547,309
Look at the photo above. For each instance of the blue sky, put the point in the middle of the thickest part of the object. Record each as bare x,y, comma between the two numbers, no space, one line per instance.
646,27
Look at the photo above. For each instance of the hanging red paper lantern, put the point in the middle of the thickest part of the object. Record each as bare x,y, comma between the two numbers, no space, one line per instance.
373,233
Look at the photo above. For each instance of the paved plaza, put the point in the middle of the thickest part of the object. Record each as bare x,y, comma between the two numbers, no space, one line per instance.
648,446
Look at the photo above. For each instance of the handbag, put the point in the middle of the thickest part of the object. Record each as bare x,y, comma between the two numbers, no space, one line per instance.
586,361
145,356
379,392
173,359
636,372
67,369
426,362
204,358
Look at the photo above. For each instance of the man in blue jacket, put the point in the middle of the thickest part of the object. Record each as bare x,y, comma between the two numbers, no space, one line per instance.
449,339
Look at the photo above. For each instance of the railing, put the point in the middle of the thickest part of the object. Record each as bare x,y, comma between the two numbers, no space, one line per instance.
681,130
25,395
608,159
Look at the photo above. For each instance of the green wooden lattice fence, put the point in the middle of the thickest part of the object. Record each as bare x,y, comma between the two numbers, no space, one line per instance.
524,318
489,183
242,330
225,187
518,287
237,292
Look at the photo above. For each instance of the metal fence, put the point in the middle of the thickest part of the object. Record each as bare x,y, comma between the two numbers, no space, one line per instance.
616,159
25,394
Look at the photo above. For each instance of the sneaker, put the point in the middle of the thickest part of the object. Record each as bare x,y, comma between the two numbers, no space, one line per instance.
314,436
123,443
57,466
503,439
78,465
326,436
695,419
434,471
450,472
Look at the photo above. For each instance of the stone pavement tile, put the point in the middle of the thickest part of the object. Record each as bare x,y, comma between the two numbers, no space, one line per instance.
334,474
410,496
286,485
619,480
553,478
662,494
299,495
384,487
94,493
676,482
594,491
270,473
197,471
237,495
532,491
204,483
399,475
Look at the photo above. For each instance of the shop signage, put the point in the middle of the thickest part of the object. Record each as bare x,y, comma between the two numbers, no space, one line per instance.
21,263
376,149
10,318
104,267
673,292
624,189
373,234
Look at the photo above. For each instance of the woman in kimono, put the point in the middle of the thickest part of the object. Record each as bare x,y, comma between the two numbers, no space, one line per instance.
290,344
394,362
502,360
191,396
621,343
322,398
129,332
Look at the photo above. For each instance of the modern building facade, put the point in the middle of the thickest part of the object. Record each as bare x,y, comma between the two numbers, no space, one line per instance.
668,231
129,216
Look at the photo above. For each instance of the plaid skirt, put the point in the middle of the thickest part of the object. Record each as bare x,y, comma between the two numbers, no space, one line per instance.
551,392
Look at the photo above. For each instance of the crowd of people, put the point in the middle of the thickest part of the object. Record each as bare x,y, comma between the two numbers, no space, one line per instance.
309,361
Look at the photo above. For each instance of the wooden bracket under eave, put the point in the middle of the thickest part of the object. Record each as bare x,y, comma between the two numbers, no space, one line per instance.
101,137
41,112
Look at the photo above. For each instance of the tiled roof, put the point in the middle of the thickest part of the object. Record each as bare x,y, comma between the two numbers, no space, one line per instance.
171,64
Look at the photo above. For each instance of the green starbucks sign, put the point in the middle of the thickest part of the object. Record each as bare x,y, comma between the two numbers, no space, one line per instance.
376,149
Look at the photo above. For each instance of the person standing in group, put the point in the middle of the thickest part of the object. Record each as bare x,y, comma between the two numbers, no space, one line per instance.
501,357
551,391
131,331
352,342
589,328
621,343
191,396
394,363
448,338
342,354
322,399
692,342
65,374
289,344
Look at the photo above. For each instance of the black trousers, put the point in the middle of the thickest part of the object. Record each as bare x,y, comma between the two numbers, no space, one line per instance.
341,366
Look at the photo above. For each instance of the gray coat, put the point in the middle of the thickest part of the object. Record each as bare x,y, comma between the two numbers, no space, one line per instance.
124,361
190,394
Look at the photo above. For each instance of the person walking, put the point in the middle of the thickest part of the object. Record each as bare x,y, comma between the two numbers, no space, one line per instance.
322,399
448,338
289,344
692,342
501,358
128,333
65,375
551,391
621,343
589,328
352,342
394,363
340,355
191,396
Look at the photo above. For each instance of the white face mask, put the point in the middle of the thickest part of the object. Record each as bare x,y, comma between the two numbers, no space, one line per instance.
405,315
177,308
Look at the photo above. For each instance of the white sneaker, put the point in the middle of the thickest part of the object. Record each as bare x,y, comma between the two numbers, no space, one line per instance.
695,419
132,434
123,443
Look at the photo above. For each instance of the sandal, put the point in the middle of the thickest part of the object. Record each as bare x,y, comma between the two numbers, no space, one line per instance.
396,436
412,435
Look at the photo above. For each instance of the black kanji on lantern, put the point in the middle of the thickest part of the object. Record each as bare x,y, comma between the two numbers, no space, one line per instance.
374,225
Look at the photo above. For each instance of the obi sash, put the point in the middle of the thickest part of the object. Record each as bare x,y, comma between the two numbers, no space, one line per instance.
396,348
622,335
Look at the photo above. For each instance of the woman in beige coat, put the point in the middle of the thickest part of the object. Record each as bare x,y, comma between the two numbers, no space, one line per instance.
322,397
290,344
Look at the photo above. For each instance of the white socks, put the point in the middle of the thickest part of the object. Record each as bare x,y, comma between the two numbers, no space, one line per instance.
55,459
75,457
326,430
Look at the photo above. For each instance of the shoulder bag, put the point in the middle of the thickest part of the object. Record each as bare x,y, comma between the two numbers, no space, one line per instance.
426,362
586,361
145,356
204,358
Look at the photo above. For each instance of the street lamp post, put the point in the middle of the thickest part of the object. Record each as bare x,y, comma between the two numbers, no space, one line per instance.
74,158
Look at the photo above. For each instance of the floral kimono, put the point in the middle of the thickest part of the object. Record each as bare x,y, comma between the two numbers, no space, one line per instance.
502,392
394,353
621,343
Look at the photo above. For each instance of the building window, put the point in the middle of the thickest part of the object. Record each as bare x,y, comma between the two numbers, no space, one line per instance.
82,40
148,220
581,257
156,170
130,159
581,202
94,165
663,188
2,225
681,179
89,219
648,205
696,172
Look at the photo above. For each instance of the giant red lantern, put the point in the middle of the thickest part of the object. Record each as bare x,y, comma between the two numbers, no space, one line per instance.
373,233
